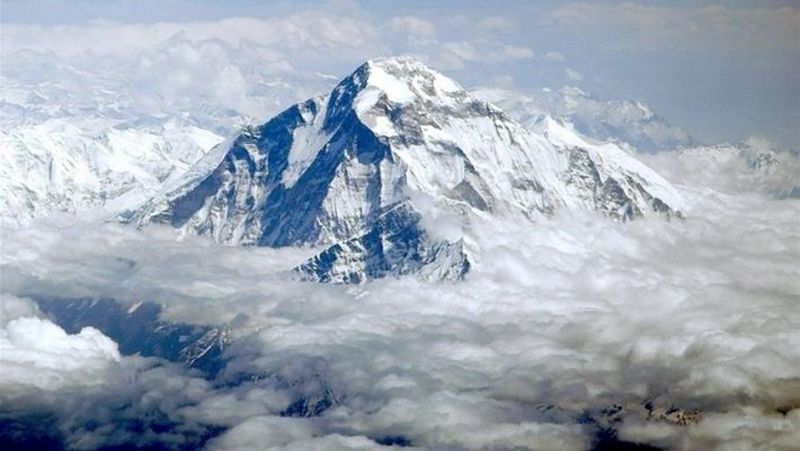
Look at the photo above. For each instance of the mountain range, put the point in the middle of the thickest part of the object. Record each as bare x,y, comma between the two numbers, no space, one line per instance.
624,121
366,175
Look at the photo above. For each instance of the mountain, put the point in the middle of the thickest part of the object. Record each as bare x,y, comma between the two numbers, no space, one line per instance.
61,165
369,170
632,122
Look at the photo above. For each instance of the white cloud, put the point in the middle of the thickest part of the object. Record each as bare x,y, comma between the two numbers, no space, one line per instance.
37,354
311,31
453,55
573,75
286,433
555,56
503,81
12,307
518,52
495,23
266,433
759,143
414,26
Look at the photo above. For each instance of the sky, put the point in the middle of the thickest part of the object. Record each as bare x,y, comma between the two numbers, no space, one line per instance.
723,71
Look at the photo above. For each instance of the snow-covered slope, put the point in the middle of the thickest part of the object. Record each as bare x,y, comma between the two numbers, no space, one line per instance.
368,169
58,165
632,122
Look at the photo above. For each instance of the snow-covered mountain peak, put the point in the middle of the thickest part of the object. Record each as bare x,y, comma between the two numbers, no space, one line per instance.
365,168
405,79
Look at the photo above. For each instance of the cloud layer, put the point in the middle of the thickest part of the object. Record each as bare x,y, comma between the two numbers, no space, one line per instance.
677,334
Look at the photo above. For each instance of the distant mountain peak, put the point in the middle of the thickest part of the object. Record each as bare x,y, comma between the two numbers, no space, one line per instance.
361,170
631,122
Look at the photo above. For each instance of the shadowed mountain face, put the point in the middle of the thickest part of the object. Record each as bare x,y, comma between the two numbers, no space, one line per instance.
363,168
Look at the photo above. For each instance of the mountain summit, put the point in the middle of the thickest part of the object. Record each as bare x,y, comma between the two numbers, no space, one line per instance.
368,167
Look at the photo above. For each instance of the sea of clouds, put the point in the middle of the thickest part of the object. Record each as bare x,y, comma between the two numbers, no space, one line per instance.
678,334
